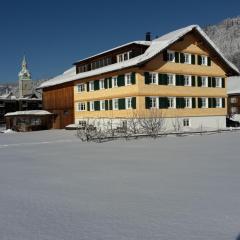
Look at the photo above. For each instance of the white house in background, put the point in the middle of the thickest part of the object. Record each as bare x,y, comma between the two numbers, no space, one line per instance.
233,91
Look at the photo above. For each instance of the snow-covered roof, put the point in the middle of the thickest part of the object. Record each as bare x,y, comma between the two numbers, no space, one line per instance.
146,43
233,85
30,112
156,46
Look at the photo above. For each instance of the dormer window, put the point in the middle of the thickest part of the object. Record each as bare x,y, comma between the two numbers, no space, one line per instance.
123,56
171,56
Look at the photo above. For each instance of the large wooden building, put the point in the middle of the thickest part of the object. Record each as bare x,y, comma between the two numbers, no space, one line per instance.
181,75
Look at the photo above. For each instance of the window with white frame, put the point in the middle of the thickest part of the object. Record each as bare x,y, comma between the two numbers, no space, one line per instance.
204,102
124,56
204,60
171,79
128,79
153,78
115,104
101,84
218,82
102,105
187,80
218,102
204,81
172,102
91,106
81,87
114,82
233,100
186,122
171,56
91,86
188,102
154,102
81,106
128,103
187,58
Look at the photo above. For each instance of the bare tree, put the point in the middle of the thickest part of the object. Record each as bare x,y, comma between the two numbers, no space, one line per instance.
177,124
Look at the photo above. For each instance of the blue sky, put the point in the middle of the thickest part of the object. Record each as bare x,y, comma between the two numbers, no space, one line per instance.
53,34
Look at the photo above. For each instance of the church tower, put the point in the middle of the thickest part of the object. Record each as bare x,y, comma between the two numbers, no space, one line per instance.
25,81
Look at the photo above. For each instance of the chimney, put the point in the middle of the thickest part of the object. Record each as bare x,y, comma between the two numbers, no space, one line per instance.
148,36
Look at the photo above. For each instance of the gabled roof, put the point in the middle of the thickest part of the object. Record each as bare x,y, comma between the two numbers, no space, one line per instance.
233,85
156,46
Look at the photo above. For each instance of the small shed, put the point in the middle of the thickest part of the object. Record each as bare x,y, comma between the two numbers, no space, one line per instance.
25,121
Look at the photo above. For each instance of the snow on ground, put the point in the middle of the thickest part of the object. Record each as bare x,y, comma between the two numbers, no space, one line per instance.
53,187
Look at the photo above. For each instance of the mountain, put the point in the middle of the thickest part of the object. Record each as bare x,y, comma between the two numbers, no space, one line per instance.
226,35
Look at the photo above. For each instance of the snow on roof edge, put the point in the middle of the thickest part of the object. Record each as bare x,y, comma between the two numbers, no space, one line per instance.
30,112
157,46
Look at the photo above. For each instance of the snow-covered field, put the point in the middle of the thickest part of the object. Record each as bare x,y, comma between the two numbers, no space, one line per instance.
53,187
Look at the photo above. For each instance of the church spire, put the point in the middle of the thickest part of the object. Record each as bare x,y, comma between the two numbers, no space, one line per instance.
24,73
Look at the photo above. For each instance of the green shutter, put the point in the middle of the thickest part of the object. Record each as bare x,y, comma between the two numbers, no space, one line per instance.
210,102
176,57
182,58
180,103
121,80
96,85
223,102
165,56
182,80
106,83
121,103
97,105
179,80
193,59
106,104
87,86
147,102
110,104
88,106
199,103
147,78
214,102
193,81
199,81
223,82
193,102
163,103
162,79
133,102
209,82
209,61
199,60
214,82
133,77
110,82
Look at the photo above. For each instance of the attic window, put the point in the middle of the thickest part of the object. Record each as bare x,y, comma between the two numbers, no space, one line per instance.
124,56
171,56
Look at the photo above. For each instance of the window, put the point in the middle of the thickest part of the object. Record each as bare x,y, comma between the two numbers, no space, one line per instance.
91,105
128,79
188,102
233,100
204,81
204,102
171,56
186,122
102,105
115,104
218,82
233,110
187,80
101,84
81,87
81,107
204,60
154,102
83,68
171,79
153,78
101,63
91,86
128,103
124,56
187,58
218,102
114,82
172,102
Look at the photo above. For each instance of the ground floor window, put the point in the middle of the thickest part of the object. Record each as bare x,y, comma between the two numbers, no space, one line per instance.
186,122
154,102
128,103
